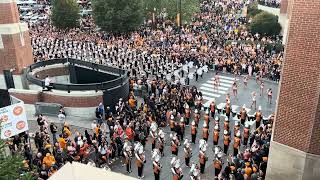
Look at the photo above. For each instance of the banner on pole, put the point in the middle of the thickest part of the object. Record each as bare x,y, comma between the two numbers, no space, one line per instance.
13,120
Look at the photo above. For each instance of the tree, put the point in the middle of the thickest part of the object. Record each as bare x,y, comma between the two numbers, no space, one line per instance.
253,9
171,8
265,23
118,16
65,14
10,164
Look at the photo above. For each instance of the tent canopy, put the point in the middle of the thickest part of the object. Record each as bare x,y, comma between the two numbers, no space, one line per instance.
79,171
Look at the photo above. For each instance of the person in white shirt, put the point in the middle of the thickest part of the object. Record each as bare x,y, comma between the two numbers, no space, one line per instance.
47,82
61,117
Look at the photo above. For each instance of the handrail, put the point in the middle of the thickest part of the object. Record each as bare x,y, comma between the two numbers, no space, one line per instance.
90,86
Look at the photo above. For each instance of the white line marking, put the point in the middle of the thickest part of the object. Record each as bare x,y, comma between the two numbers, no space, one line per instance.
223,80
221,83
211,86
213,90
210,94
226,77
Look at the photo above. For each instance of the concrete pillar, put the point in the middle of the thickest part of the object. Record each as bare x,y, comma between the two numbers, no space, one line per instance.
295,147
283,6
15,46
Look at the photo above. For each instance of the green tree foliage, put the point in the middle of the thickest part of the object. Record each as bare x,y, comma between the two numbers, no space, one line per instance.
118,16
65,14
10,165
171,8
253,10
266,24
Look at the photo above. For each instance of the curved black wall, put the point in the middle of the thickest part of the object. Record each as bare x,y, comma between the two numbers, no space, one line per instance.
82,75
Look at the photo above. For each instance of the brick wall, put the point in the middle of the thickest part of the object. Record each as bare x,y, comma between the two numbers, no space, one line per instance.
9,13
284,6
14,54
72,101
26,98
298,119
66,100
61,71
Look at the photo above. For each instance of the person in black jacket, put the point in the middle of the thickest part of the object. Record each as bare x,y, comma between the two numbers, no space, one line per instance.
53,130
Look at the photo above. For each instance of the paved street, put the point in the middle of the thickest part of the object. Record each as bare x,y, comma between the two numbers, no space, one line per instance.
206,86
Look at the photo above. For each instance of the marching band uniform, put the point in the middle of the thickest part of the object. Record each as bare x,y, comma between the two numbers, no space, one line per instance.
176,170
228,110
156,164
207,118
246,132
216,135
182,128
194,172
196,117
236,144
226,124
140,159
226,141
153,134
212,108
205,131
193,132
127,156
217,164
187,113
187,152
236,128
161,143
172,123
258,116
174,145
243,114
202,155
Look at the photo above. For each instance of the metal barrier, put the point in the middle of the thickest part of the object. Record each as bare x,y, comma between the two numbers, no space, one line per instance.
47,108
121,80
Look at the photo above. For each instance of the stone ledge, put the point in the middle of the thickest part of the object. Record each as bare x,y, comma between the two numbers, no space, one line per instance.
289,163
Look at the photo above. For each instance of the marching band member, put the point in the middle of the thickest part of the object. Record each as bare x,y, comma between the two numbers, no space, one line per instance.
258,116
228,110
140,159
193,132
226,141
127,155
243,114
182,128
175,169
213,108
153,134
216,135
226,124
174,144
236,143
205,131
161,140
246,133
194,172
196,117
207,117
217,164
198,103
202,154
156,154
236,127
187,113
187,152
172,123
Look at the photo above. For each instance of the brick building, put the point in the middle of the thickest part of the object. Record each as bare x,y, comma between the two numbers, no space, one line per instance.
295,147
15,46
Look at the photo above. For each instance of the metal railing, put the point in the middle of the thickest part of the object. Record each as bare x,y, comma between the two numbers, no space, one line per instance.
119,81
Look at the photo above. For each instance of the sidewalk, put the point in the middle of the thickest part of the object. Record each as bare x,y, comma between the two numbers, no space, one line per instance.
71,120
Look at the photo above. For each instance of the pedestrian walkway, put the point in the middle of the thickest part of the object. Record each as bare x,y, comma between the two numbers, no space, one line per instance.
209,92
